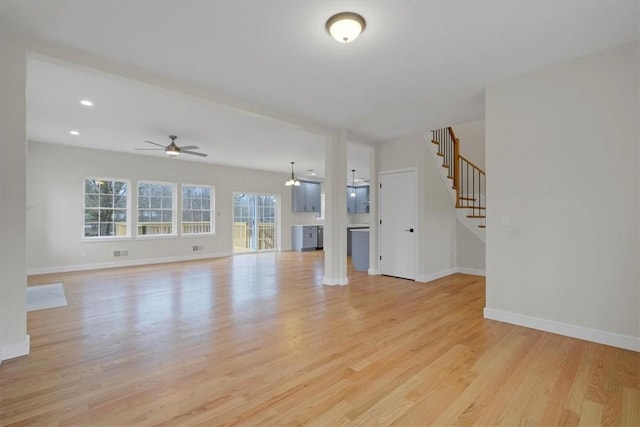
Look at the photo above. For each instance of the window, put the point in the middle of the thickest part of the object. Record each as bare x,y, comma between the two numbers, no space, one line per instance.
156,208
106,208
196,209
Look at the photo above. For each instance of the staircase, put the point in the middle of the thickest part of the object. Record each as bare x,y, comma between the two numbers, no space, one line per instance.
465,181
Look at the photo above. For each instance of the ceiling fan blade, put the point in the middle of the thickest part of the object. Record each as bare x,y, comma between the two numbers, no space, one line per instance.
190,147
194,153
155,143
148,149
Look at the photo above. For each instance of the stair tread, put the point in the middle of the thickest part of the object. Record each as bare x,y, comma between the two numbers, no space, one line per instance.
435,142
482,226
468,198
440,154
476,216
471,207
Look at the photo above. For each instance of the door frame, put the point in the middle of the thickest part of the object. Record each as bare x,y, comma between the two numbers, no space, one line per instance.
278,222
416,213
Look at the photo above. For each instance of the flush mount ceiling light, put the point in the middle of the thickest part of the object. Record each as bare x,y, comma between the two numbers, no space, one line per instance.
86,103
74,132
345,27
292,181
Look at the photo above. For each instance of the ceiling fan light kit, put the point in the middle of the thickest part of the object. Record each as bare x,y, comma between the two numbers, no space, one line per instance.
173,150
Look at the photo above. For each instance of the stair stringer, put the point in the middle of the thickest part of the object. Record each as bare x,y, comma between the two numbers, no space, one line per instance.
461,213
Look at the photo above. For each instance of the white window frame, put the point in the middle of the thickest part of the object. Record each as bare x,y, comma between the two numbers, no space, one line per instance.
174,210
212,210
128,222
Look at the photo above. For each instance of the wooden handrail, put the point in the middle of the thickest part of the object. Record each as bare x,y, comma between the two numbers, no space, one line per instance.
472,164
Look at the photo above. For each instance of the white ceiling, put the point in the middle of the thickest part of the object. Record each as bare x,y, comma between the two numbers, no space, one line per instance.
418,65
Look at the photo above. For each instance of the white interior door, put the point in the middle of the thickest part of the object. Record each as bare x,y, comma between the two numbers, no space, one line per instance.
398,214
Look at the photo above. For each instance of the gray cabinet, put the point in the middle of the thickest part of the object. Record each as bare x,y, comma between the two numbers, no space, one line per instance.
304,237
360,203
306,197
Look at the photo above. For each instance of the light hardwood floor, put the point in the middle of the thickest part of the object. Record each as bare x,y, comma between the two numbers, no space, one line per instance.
258,340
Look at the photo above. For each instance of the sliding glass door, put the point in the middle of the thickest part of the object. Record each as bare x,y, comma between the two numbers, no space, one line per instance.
255,220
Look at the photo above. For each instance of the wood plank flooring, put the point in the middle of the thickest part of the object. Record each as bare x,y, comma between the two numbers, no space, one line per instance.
258,340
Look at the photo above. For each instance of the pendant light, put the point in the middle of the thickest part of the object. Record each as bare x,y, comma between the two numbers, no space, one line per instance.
353,183
292,181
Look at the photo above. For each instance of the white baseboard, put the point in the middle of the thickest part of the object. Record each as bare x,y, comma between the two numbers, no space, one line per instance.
333,281
594,335
472,271
15,350
129,263
433,276
373,272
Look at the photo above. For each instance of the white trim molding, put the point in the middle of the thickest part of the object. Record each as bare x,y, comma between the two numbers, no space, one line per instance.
574,331
15,350
333,281
130,263
433,276
373,272
472,271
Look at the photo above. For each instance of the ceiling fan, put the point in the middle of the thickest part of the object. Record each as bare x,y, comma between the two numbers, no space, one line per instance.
173,150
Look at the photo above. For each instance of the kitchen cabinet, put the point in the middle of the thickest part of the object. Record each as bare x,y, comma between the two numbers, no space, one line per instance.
360,249
360,203
306,197
304,237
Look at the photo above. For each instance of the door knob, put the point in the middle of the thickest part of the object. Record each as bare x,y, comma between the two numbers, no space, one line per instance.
409,230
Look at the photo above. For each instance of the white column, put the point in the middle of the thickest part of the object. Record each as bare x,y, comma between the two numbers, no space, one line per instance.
373,211
335,226
14,340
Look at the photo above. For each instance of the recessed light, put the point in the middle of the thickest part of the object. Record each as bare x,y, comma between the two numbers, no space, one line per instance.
86,103
74,132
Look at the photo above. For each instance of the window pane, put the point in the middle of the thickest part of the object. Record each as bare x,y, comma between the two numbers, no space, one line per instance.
187,216
106,187
90,186
120,188
206,203
156,189
120,215
106,201
197,204
197,215
91,230
120,201
107,229
167,203
156,202
167,191
206,216
186,204
167,216
90,215
144,202
91,201
144,189
106,215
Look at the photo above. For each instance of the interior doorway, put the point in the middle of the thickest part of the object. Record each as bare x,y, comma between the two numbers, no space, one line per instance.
398,195
255,222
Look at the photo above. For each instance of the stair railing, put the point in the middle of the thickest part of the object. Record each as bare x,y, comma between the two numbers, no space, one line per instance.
469,181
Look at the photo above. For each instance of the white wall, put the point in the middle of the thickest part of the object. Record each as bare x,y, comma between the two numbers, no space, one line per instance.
562,154
55,206
436,212
14,340
472,141
470,251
